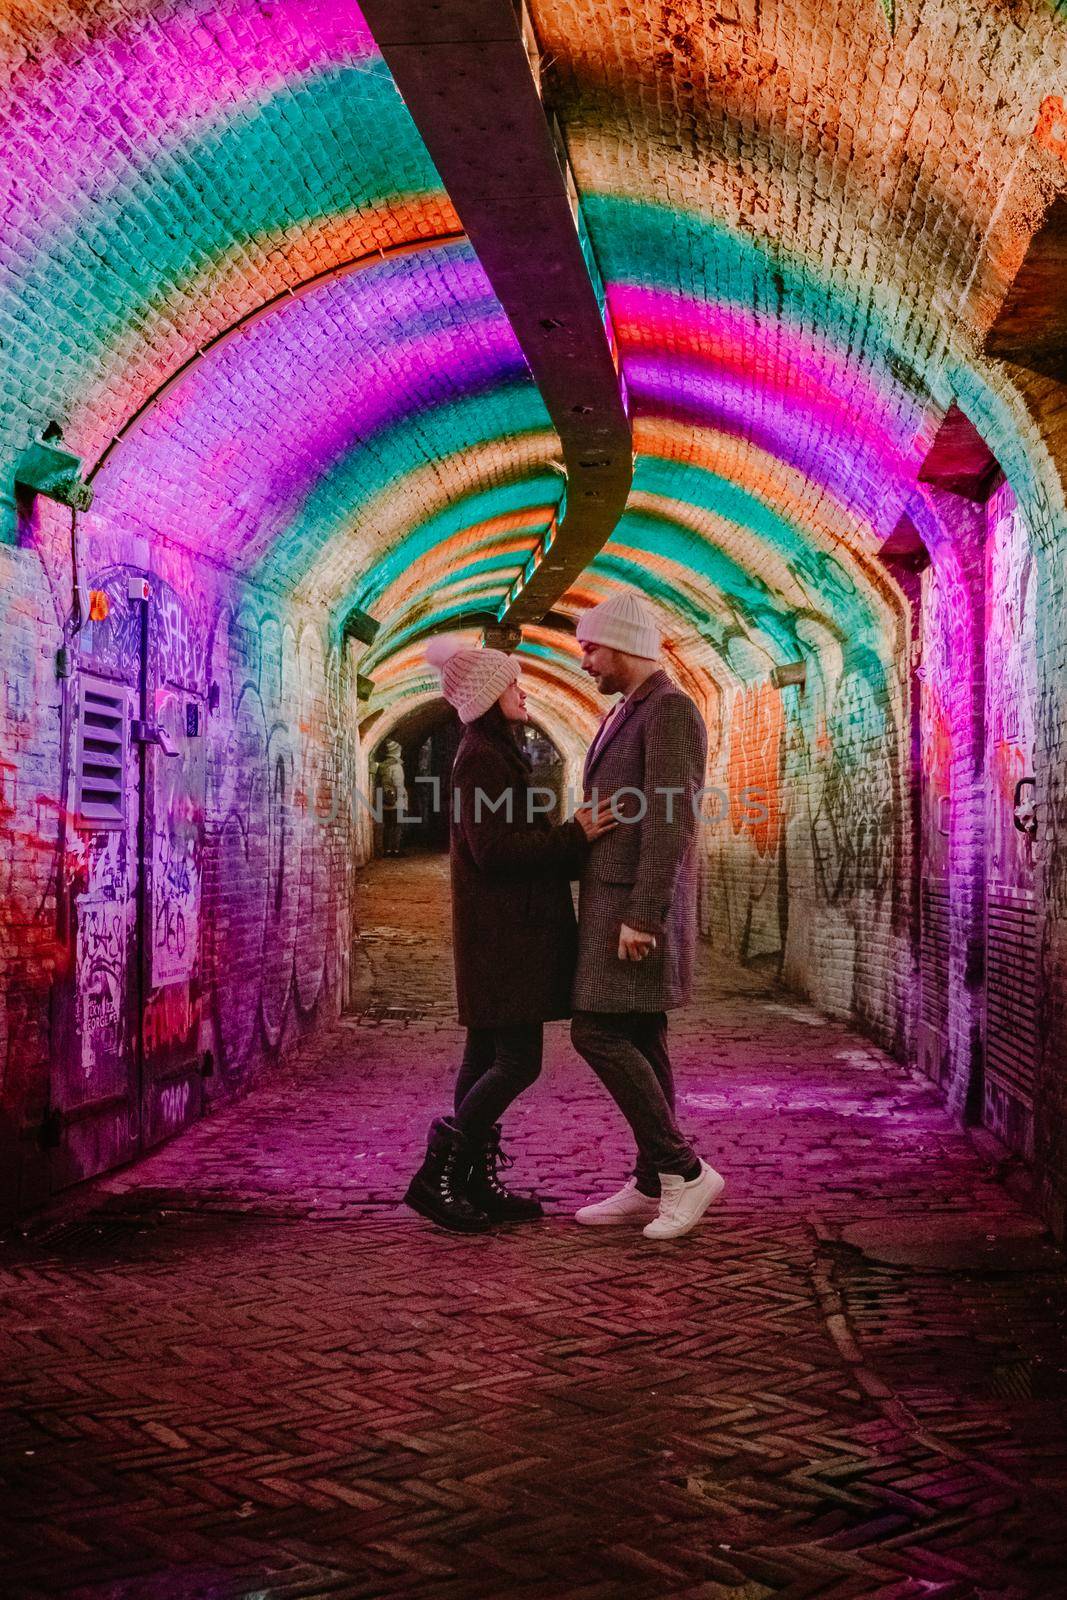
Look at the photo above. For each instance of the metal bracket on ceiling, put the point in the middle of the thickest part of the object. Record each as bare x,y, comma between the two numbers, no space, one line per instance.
360,625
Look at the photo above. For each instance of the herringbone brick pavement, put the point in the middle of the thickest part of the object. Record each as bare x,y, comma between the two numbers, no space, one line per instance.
240,1370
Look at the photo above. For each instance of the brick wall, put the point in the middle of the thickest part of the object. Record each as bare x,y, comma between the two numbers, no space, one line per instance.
275,834
30,943
812,879
953,764
1041,420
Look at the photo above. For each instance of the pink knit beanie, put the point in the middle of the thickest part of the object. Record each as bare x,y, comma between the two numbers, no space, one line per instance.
471,680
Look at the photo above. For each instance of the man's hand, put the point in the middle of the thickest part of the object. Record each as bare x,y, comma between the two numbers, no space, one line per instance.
635,945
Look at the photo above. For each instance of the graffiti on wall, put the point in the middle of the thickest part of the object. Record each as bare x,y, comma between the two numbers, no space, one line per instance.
1011,692
943,711
179,640
175,906
170,1019
271,825
1055,854
174,1103
179,768
744,847
754,768
177,836
29,835
101,975
854,807
827,835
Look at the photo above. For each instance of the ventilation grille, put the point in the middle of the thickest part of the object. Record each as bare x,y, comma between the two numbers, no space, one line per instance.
100,795
1011,992
935,954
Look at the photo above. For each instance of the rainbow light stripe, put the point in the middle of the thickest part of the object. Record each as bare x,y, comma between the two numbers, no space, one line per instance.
373,437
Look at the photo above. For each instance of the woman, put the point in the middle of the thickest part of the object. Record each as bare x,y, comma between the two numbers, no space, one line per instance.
514,937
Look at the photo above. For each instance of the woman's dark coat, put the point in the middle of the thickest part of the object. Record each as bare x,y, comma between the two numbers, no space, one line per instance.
514,935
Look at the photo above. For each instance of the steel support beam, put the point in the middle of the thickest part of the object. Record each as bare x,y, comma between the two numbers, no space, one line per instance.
467,72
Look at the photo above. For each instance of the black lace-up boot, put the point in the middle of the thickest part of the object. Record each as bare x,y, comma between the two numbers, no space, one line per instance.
486,1191
439,1188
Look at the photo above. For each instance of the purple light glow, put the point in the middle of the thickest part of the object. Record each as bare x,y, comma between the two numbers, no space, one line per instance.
236,447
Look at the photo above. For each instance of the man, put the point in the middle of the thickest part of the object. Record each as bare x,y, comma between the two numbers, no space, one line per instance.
637,913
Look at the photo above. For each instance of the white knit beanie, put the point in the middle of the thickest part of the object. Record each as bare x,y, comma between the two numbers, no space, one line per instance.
625,622
471,680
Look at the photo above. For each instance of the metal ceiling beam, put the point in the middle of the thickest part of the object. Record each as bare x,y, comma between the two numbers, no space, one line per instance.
467,72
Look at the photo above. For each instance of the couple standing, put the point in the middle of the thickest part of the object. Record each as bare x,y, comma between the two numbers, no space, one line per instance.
522,959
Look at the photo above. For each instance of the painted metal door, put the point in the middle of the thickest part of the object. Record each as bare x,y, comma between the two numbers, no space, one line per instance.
126,1065
93,1118
1011,958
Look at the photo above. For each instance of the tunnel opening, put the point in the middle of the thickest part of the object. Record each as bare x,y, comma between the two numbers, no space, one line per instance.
424,741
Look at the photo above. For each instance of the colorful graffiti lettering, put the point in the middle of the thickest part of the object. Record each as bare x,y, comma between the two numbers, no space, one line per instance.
171,1018
1051,130
755,765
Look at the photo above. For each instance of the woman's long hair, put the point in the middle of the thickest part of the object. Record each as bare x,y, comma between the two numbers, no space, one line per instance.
495,725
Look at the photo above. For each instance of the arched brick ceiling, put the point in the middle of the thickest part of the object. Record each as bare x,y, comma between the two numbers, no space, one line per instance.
334,446
788,205
181,163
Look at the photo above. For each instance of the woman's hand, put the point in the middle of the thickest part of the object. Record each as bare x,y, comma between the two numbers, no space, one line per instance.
595,822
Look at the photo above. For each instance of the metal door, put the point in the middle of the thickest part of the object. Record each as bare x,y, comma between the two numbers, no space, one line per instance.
93,1118
126,1068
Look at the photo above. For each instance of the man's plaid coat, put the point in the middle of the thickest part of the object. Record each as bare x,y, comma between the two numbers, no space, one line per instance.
644,871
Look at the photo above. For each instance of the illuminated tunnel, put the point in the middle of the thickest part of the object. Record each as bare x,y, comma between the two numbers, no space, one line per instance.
237,285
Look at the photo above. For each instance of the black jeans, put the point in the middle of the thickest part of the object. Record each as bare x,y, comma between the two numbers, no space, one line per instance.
498,1064
391,835
628,1052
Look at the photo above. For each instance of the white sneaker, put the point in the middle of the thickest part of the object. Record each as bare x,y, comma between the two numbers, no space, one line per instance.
681,1204
629,1205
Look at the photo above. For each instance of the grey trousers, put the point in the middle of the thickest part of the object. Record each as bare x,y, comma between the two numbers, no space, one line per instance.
628,1052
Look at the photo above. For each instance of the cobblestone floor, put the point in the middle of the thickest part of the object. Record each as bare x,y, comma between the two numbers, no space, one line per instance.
240,1370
